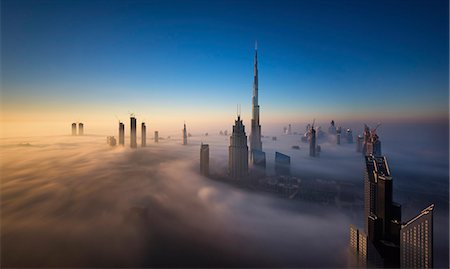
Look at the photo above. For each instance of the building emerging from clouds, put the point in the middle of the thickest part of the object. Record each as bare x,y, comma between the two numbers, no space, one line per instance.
121,134
74,128
80,128
184,135
204,159
238,152
255,135
312,141
156,136
133,142
143,135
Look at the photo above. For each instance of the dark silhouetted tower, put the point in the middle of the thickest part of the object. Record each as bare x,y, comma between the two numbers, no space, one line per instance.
184,135
282,164
255,136
74,129
143,135
156,136
80,129
121,134
204,159
133,142
238,152
312,141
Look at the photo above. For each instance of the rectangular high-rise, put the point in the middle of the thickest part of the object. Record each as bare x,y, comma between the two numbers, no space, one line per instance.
312,142
133,142
416,241
121,134
282,164
204,159
80,129
238,152
143,135
184,135
156,136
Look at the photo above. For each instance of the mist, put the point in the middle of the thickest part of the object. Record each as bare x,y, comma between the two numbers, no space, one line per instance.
77,202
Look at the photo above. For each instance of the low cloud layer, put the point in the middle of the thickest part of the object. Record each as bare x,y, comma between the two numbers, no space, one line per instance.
76,202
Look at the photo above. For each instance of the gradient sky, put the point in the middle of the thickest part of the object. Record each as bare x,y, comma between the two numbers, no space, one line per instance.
192,60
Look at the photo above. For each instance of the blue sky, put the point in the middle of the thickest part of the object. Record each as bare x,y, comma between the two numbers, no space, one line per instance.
382,58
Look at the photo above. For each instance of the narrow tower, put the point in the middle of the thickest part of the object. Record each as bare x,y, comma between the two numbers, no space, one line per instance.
204,159
121,134
184,135
143,135
74,128
133,142
255,136
238,152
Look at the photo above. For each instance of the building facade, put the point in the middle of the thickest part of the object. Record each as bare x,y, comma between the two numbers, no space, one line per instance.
143,135
204,159
255,135
133,142
238,152
121,134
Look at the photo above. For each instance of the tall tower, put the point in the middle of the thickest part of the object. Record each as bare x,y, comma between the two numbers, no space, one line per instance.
156,136
121,134
133,142
255,136
204,159
184,135
143,135
238,151
312,141
80,128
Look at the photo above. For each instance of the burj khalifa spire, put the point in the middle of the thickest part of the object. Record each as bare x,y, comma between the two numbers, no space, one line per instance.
255,137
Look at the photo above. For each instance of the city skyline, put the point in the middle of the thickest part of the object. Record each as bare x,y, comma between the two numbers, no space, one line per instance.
324,146
313,63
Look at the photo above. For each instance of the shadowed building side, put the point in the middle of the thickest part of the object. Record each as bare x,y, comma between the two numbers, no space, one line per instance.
133,142
121,134
238,152
156,136
204,159
143,135
184,135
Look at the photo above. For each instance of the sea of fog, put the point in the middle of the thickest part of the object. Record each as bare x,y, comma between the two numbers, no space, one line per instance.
77,202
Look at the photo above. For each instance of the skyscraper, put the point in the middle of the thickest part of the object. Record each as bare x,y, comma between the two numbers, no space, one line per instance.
121,134
282,164
156,136
238,151
184,135
255,136
312,141
204,159
382,215
74,128
143,135
359,143
80,129
133,142
416,241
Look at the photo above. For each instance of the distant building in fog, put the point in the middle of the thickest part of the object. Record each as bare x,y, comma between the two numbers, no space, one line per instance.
204,159
74,129
156,136
282,164
121,134
338,139
259,158
359,143
289,129
184,135
312,142
110,140
80,129
143,135
238,152
372,143
349,136
332,128
133,142
416,241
